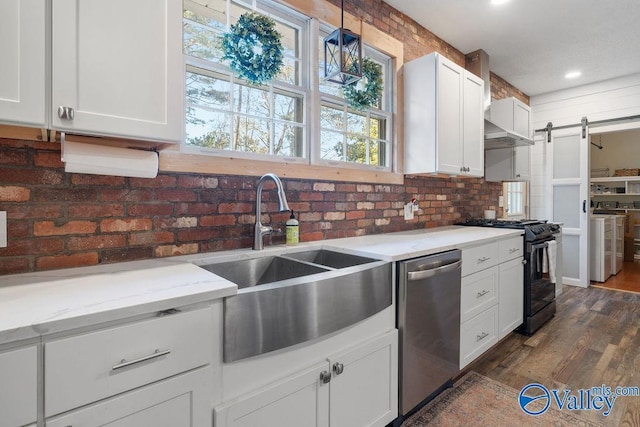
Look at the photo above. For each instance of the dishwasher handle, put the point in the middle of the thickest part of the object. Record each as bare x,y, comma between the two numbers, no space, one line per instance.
423,274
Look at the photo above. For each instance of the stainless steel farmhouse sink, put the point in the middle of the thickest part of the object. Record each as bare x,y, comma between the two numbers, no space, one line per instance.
330,258
295,297
259,271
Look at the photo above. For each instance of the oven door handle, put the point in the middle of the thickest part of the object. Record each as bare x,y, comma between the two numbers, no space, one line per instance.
540,246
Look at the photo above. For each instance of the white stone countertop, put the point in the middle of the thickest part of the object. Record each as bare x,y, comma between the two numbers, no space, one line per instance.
35,304
41,303
416,243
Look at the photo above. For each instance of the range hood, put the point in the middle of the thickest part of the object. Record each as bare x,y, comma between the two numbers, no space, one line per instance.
494,136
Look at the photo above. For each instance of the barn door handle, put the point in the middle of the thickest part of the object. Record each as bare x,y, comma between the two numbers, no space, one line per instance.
584,206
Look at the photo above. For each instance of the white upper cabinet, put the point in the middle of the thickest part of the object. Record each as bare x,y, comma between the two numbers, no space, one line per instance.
473,126
508,164
513,163
512,114
22,68
117,68
443,115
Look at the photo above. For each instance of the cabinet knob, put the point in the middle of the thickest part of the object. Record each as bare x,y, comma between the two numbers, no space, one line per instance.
338,368
517,175
325,377
65,113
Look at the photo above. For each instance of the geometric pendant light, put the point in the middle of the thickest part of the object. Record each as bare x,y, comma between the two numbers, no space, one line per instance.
342,55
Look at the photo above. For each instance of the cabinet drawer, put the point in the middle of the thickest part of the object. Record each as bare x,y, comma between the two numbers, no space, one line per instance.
479,292
478,258
477,335
180,401
18,387
89,367
510,249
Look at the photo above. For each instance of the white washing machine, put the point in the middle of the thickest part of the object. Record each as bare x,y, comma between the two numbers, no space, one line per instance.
600,247
617,241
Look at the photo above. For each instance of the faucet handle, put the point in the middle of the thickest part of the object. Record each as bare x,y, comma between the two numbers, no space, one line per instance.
273,232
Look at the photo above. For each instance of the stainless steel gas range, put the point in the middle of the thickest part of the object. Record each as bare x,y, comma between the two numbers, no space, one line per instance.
539,290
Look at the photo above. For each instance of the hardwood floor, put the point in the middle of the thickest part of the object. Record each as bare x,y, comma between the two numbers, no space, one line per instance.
592,340
628,279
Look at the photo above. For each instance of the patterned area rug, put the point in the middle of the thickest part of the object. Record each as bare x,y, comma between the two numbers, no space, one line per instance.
476,400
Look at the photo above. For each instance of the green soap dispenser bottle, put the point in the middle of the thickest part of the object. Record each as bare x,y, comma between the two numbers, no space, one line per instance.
293,234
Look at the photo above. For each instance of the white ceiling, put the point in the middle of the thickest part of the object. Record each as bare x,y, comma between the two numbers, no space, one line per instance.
533,43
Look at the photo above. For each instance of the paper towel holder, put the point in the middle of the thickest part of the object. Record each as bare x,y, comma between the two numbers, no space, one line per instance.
93,159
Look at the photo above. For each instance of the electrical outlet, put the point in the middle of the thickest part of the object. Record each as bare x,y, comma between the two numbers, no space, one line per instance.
500,201
408,211
3,229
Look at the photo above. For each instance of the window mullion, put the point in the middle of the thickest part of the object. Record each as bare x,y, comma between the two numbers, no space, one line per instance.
345,130
314,105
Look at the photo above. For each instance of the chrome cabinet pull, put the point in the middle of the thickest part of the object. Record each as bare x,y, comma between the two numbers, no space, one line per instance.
482,336
512,250
482,293
338,368
124,363
483,259
66,113
325,377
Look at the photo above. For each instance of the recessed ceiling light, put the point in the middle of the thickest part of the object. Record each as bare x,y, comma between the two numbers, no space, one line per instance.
498,2
572,74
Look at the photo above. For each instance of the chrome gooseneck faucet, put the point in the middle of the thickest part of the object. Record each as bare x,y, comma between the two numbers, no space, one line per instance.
263,230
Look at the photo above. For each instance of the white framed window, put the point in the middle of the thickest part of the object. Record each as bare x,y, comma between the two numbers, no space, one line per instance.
227,114
297,117
348,135
516,197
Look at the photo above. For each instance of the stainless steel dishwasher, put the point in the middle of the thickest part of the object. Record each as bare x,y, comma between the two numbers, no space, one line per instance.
429,325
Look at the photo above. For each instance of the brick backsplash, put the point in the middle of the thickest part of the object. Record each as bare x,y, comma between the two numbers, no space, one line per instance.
58,220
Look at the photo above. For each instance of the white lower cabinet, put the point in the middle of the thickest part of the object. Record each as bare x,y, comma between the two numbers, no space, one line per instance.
478,335
357,387
180,401
299,400
100,364
511,296
18,386
364,387
153,372
479,292
491,295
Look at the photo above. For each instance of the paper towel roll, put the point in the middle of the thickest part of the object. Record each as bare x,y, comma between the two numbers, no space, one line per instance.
102,160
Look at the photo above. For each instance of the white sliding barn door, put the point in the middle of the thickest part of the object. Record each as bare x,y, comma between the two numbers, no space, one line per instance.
569,193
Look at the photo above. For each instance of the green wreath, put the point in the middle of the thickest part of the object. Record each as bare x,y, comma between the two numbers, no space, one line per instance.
361,99
253,48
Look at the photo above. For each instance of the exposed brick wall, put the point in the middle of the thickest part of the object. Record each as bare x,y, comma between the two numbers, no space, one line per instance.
419,41
58,220
500,88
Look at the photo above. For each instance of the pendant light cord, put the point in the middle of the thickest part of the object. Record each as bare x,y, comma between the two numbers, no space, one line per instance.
342,14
